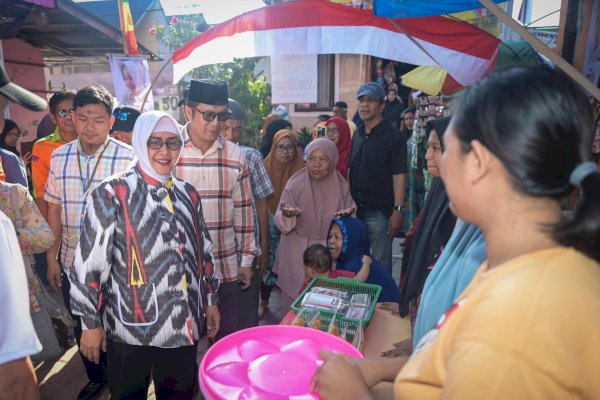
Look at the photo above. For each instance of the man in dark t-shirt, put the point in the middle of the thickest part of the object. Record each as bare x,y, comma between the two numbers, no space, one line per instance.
378,168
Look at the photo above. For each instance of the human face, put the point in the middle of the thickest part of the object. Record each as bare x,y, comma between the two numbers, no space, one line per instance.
434,155
335,240
453,173
409,121
12,137
163,160
204,133
128,79
232,130
123,136
285,150
369,109
63,118
332,132
92,123
318,165
340,112
391,95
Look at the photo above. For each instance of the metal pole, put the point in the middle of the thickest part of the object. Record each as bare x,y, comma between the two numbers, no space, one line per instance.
542,48
160,71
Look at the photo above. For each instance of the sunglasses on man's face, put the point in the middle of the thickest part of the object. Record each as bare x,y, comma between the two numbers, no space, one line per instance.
64,113
155,143
210,115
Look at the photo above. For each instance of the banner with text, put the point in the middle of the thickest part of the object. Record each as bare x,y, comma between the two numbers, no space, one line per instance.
294,79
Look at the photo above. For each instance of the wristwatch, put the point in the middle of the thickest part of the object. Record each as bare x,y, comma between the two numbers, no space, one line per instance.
399,208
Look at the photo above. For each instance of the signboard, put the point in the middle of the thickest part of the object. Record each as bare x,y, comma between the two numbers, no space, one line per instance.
294,79
131,79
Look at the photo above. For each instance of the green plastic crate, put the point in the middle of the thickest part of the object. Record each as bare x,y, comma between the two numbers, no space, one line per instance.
341,323
349,285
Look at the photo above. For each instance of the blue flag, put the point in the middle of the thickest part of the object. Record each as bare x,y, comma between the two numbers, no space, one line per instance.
423,8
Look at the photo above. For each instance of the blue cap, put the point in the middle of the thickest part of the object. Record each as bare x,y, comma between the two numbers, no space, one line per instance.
372,89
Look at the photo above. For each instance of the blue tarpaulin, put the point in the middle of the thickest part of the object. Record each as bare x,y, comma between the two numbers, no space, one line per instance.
423,8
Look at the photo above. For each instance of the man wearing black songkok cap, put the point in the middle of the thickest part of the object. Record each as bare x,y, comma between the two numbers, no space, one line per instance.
219,171
260,184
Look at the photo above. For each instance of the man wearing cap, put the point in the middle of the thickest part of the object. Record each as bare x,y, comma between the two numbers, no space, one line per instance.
61,105
17,336
340,109
219,171
261,187
377,174
122,129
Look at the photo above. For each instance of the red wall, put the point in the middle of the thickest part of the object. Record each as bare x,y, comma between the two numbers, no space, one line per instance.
30,77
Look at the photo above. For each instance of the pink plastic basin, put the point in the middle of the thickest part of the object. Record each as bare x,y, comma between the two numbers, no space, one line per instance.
272,362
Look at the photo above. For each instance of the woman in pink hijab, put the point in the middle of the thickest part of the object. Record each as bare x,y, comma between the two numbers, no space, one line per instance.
311,199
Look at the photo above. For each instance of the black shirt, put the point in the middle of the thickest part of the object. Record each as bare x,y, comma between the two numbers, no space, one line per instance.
375,158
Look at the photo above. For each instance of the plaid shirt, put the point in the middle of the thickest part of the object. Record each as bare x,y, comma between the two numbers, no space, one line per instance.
65,184
260,184
221,178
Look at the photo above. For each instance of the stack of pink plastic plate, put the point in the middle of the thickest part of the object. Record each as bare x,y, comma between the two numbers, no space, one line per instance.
272,362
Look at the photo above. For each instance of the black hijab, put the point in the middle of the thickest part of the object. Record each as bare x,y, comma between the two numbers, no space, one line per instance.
409,110
434,228
392,111
275,126
9,125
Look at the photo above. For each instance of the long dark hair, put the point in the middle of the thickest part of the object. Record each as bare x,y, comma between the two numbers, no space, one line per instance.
9,125
539,125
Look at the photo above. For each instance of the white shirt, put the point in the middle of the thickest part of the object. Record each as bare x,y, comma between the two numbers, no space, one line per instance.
17,335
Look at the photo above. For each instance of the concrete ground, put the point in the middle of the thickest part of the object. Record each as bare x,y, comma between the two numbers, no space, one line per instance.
64,377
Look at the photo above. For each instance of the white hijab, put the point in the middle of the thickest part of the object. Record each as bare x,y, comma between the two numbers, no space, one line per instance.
145,125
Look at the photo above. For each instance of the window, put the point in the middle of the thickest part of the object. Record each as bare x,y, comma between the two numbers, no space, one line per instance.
325,86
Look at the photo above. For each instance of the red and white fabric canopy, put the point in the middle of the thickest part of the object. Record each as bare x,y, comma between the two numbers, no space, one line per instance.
322,27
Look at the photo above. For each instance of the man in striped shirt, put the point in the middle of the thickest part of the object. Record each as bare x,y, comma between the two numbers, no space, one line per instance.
76,169
218,170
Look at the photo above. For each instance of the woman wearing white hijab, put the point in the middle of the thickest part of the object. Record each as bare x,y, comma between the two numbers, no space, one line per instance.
145,248
137,80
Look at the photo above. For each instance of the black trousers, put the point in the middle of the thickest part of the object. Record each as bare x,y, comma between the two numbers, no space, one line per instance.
229,299
173,370
95,372
248,302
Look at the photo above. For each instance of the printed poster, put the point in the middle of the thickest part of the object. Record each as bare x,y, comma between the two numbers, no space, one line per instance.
131,79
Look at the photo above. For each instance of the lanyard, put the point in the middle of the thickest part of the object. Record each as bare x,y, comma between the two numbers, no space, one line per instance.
89,181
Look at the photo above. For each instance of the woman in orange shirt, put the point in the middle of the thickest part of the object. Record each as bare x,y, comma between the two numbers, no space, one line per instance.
526,326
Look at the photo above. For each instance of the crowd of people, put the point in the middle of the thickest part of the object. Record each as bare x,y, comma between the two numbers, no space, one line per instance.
156,234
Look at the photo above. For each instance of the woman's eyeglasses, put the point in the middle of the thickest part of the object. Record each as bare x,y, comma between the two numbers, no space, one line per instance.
286,149
157,143
333,131
210,115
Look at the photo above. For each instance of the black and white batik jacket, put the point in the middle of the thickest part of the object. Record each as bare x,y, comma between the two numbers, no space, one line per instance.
143,268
